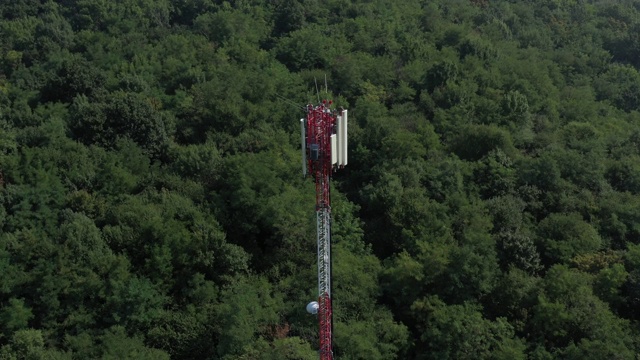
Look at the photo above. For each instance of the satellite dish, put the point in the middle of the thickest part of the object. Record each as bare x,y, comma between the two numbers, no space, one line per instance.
312,307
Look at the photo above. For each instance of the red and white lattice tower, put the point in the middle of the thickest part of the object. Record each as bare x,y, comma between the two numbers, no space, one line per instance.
324,149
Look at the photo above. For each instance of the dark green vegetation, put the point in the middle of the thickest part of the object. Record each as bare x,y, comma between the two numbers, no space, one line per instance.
152,207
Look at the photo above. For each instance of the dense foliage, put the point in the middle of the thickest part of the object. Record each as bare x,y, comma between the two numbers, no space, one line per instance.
152,206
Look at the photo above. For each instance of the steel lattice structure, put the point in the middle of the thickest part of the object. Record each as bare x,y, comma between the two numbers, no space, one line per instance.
324,149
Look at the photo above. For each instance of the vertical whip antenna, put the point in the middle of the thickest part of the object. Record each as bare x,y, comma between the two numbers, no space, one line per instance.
326,87
317,91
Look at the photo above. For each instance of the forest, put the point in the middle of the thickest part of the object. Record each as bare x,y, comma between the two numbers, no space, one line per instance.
152,204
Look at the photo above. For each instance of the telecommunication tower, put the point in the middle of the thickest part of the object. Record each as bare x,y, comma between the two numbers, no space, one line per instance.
324,149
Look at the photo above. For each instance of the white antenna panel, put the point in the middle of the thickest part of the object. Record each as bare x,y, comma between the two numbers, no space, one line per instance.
339,140
343,138
304,151
334,149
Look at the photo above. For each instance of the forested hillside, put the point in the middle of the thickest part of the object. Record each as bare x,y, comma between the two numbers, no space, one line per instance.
152,204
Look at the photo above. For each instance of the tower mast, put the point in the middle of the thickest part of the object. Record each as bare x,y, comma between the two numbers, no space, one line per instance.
324,149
